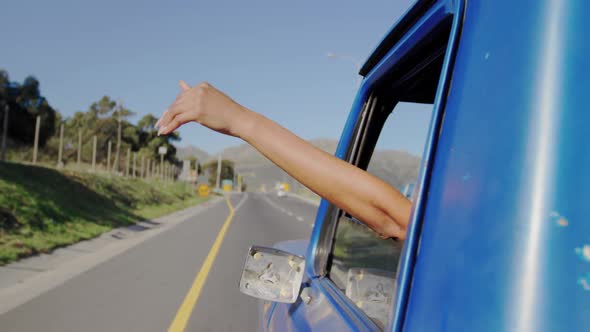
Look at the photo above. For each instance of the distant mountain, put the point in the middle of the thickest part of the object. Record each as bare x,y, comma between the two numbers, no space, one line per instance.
395,167
326,144
192,151
243,155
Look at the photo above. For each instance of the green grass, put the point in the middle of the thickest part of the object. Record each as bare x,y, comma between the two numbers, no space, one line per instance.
42,208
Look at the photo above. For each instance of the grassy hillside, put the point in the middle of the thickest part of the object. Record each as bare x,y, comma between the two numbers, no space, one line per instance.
42,208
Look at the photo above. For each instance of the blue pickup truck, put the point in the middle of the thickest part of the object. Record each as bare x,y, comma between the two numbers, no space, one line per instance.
499,238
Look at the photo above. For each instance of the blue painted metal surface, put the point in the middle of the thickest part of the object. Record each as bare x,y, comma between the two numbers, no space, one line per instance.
499,239
507,203
409,254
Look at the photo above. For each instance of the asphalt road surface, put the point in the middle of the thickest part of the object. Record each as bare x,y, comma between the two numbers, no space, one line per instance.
144,288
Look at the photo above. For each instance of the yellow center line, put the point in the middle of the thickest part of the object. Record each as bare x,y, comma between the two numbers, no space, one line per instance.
186,308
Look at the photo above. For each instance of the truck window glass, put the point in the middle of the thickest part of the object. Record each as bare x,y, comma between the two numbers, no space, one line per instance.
390,146
361,260
397,156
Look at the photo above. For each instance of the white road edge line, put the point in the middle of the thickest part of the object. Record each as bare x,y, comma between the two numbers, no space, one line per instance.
273,204
303,199
241,202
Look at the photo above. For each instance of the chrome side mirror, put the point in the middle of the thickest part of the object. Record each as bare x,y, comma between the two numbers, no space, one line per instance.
272,274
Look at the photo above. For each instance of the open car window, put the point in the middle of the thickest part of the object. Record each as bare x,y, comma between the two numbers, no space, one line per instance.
390,142
363,265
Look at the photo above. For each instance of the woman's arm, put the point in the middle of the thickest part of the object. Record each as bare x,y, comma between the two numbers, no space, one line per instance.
357,192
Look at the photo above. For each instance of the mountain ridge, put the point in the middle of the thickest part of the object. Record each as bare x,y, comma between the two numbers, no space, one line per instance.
393,166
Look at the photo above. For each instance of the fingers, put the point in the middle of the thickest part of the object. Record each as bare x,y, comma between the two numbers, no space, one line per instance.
169,114
184,86
159,122
165,119
176,122
392,229
162,121
166,123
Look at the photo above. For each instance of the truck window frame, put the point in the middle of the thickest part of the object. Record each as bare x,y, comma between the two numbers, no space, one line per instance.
382,104
440,12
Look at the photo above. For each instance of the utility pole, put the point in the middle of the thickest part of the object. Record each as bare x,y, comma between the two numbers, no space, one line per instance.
134,159
4,131
36,144
109,157
79,147
60,163
141,172
94,153
116,163
218,180
127,162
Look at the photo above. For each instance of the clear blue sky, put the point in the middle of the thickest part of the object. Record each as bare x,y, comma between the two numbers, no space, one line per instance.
268,55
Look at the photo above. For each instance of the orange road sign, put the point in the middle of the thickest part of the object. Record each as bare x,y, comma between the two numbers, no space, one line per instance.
203,190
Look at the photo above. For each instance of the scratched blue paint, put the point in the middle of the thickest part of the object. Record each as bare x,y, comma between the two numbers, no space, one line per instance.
584,282
470,274
584,252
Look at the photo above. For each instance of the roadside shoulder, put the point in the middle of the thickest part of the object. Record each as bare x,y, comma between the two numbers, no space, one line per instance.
28,278
305,199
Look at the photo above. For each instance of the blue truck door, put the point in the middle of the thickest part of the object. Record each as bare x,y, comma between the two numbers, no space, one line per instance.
342,290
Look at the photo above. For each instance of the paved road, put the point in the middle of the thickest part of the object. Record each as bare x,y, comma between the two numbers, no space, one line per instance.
143,288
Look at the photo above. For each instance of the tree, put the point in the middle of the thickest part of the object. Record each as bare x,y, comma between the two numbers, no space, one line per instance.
26,103
4,81
105,119
147,123
103,108
227,170
121,113
194,161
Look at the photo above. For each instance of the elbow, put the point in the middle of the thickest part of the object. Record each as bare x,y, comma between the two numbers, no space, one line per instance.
394,220
392,229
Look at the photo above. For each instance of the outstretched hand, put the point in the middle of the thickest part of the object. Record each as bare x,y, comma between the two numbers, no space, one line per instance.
205,105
